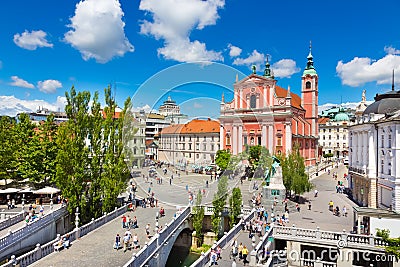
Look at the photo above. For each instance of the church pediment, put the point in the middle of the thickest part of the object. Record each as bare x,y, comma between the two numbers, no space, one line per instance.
253,79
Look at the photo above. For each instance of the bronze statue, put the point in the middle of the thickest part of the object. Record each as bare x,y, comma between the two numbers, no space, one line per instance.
270,173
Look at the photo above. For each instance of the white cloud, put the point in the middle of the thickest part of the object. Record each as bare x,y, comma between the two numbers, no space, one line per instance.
18,82
285,68
234,51
49,86
11,106
97,30
391,50
351,105
32,40
173,21
255,58
360,71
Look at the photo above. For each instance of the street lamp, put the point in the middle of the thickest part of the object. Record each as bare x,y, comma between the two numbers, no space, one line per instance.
77,217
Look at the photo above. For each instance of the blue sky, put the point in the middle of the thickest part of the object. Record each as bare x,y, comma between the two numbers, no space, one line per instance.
48,46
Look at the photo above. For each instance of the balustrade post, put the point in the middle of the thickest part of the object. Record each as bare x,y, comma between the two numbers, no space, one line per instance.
92,224
294,230
344,235
38,252
372,240
253,258
318,233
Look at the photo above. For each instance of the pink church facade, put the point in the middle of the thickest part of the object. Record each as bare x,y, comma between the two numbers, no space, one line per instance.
263,113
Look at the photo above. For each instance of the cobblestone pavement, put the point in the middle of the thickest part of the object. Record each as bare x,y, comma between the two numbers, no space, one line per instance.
96,248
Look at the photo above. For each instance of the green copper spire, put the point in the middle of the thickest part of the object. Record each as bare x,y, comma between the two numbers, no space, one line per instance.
267,72
310,65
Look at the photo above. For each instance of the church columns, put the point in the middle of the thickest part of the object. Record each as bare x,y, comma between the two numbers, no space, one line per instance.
236,98
235,140
265,97
288,128
241,99
271,138
264,135
240,139
221,137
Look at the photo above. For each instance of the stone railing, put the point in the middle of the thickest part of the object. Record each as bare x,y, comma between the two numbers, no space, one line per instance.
151,248
258,255
29,228
12,219
43,250
316,263
204,258
318,235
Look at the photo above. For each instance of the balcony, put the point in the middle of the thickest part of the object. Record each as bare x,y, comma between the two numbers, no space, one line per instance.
359,170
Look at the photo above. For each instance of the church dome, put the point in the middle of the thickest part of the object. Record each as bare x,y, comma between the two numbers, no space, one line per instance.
384,103
341,116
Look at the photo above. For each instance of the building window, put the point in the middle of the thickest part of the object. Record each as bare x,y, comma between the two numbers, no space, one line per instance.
197,146
204,147
252,141
308,85
204,156
197,156
306,144
259,140
279,141
245,140
228,140
253,101
338,137
390,168
330,137
212,147
390,141
382,165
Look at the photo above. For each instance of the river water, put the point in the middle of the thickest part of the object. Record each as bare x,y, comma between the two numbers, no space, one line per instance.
180,257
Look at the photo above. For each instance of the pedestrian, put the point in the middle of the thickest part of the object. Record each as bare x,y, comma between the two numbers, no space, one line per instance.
148,230
207,184
344,211
126,241
117,242
123,221
245,252
240,250
213,258
298,207
309,205
315,193
170,181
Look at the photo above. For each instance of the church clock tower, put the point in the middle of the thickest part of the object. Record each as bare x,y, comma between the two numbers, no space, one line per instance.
309,94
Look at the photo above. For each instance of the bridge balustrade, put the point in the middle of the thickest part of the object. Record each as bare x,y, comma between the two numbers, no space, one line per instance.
202,261
317,234
29,228
43,250
157,240
16,218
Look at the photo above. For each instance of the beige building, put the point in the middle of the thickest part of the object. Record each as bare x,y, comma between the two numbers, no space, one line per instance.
193,143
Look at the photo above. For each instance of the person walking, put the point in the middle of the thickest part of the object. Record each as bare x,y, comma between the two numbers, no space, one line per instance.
309,205
245,252
123,221
344,211
117,242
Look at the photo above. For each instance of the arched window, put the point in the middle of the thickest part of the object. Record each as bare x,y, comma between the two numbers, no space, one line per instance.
308,85
253,101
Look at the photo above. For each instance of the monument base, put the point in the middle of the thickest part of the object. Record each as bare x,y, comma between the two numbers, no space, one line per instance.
269,194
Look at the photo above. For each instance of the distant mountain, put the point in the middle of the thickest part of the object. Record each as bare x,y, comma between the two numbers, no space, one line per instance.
11,106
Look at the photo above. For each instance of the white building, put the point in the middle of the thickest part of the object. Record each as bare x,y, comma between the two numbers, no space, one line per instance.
172,112
374,158
193,143
333,135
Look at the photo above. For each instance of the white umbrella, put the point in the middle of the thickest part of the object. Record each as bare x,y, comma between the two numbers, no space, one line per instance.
47,190
26,190
10,190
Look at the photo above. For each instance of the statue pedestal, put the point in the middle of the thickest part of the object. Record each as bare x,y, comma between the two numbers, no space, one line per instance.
275,189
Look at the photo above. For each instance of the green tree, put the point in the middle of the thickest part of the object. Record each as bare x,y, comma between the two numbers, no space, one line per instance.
219,203
198,217
73,177
39,159
393,243
7,149
222,159
294,173
235,206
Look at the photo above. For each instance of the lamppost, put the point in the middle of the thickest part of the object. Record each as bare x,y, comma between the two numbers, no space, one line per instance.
77,217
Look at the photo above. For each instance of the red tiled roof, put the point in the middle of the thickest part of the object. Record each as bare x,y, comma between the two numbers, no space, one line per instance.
201,126
296,100
323,120
176,128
